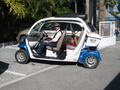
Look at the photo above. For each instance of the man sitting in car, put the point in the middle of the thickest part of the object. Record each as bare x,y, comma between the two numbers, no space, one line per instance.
51,41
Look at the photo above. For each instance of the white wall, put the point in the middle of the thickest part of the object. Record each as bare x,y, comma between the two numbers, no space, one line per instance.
107,41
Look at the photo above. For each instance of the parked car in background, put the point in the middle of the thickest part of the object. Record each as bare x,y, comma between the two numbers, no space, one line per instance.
22,34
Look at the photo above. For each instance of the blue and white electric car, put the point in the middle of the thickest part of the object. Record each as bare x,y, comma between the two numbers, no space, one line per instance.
85,51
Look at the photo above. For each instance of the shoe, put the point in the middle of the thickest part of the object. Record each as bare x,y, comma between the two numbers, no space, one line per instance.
35,54
34,51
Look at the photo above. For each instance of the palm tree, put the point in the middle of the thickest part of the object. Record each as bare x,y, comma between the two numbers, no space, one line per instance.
102,10
87,9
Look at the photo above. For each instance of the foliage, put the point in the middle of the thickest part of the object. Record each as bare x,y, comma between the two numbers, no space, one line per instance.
118,6
114,13
63,10
111,3
37,9
17,15
16,7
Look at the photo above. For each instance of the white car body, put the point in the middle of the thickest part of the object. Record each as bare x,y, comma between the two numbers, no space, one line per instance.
88,39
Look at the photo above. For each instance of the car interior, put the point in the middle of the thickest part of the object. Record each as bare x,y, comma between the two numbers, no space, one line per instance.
43,29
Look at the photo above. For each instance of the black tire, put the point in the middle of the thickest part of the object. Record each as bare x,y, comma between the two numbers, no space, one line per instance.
21,56
91,62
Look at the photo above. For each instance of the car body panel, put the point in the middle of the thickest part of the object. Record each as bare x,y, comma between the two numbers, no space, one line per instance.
85,52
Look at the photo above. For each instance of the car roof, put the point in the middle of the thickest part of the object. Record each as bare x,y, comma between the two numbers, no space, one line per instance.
64,17
73,15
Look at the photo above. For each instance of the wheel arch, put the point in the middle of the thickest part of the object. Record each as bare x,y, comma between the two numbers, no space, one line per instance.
85,53
23,46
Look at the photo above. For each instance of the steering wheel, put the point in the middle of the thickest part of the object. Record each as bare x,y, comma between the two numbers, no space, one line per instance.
44,34
41,35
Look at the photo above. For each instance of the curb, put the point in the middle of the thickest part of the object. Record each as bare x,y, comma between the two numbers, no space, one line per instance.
7,44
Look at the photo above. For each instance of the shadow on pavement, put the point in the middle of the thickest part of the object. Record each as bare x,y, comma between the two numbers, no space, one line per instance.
54,62
57,62
3,67
114,84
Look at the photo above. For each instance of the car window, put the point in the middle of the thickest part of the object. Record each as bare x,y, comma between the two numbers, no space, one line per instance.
73,27
48,26
76,27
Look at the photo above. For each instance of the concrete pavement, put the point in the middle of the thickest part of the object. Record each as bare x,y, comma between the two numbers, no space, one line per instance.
107,75
72,77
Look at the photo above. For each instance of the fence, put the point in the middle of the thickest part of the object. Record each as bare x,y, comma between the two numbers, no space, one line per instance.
107,28
107,31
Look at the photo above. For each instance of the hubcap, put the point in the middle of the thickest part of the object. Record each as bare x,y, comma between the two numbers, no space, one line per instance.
21,56
91,60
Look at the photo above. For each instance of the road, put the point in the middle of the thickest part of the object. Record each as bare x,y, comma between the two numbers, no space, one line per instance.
40,75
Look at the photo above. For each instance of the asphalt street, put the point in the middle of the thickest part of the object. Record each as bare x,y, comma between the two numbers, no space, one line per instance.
41,75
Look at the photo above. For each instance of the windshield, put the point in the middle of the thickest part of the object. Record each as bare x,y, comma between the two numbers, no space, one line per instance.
36,29
92,28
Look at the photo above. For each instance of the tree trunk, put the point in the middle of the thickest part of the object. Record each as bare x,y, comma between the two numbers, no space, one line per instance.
87,10
102,10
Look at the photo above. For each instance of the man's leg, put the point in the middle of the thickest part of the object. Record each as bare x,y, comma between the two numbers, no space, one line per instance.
41,47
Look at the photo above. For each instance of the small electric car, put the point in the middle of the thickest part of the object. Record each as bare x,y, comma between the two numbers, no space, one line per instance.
84,50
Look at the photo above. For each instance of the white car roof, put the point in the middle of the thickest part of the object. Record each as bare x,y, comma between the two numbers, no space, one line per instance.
71,19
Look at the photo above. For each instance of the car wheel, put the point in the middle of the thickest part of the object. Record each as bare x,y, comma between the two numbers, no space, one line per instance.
21,56
91,61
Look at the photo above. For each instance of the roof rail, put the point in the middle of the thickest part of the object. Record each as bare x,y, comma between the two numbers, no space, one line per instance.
74,15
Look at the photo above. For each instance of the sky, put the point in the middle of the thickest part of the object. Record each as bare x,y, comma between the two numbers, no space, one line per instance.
114,9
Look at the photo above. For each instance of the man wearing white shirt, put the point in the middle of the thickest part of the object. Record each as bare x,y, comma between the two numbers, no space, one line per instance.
50,41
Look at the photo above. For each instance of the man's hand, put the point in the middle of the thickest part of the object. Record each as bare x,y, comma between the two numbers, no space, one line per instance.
46,41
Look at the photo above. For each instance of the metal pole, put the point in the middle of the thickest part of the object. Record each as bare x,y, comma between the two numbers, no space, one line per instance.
94,12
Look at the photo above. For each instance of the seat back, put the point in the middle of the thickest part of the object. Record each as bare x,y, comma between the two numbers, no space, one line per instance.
59,43
81,34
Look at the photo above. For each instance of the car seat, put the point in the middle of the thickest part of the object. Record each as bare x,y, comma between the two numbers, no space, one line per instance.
51,51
